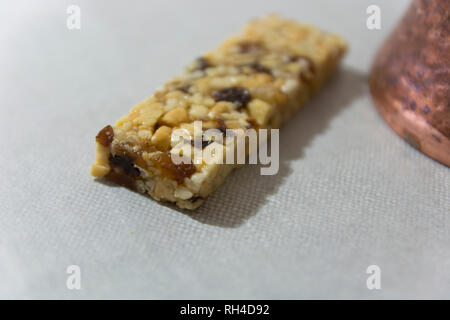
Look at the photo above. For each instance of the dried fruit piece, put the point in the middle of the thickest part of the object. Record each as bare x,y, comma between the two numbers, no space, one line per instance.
222,126
250,47
205,142
105,136
258,67
203,64
177,172
125,163
184,88
238,95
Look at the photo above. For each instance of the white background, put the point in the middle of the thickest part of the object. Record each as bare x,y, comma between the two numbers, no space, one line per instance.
349,193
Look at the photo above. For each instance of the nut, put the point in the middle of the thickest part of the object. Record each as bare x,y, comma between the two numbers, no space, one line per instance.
221,107
161,138
98,170
199,112
101,166
148,114
260,111
189,127
175,116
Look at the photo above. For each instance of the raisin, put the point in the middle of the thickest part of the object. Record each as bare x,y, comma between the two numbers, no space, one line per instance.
252,124
184,88
105,136
157,126
122,179
222,126
205,142
195,198
223,130
238,95
292,58
125,163
203,64
260,68
250,47
134,172
178,172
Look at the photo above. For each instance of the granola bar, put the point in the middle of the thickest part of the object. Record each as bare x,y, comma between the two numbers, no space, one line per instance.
255,79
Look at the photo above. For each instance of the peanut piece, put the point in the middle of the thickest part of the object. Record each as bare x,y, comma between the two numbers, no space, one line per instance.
260,111
175,116
161,138
221,107
199,112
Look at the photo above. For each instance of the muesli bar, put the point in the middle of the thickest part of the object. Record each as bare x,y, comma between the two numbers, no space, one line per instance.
255,79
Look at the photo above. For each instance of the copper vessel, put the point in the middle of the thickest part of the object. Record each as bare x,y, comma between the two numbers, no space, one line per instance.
410,78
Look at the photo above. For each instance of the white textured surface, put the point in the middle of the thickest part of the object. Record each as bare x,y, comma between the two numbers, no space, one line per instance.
349,193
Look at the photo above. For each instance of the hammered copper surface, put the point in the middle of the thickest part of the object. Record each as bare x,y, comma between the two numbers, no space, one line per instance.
410,79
